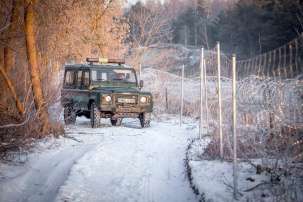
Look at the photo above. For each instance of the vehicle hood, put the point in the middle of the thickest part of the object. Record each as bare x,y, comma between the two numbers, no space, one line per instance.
118,90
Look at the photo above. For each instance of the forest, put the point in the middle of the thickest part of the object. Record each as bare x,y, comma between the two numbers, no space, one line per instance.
38,37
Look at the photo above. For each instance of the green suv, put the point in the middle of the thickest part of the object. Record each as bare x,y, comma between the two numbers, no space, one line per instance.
98,90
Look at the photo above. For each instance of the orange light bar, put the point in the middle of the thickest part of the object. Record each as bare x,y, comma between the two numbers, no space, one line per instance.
103,60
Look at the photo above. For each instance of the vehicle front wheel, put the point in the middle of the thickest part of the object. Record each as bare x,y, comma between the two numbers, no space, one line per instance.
69,114
116,122
95,116
145,120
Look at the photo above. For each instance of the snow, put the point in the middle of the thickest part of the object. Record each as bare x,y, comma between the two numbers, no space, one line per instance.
125,163
214,178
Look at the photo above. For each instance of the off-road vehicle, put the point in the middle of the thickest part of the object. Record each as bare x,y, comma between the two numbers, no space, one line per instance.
98,89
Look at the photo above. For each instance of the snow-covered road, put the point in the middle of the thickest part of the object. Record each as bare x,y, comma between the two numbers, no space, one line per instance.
125,163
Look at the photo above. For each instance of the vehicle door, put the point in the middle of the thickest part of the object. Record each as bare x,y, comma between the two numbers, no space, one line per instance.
68,85
84,86
77,97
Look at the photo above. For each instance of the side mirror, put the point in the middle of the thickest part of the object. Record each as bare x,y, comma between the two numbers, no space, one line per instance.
141,84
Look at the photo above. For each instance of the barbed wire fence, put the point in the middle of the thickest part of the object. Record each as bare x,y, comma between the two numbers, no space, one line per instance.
269,97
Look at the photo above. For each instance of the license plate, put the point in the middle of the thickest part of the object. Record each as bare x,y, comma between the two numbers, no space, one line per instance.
125,100
126,110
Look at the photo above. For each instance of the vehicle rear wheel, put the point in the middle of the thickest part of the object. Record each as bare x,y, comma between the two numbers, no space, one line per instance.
145,120
94,115
69,114
116,122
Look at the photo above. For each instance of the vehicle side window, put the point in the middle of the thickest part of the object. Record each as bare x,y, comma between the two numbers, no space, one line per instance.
69,78
132,77
112,76
104,76
78,78
94,75
86,78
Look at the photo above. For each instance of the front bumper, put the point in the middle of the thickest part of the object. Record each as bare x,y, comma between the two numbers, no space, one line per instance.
125,109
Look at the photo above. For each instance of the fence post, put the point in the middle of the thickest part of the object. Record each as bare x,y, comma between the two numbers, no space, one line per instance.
206,101
234,128
219,100
140,71
201,94
166,100
182,84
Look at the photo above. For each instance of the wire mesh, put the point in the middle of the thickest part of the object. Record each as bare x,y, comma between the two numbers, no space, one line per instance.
269,97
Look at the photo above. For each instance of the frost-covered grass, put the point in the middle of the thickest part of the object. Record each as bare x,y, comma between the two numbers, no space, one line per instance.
213,179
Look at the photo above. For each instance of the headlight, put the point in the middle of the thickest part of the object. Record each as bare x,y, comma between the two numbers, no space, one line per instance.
143,99
108,98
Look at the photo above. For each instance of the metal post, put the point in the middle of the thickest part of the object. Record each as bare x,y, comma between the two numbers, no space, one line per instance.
201,94
166,100
182,84
140,71
206,102
234,128
219,100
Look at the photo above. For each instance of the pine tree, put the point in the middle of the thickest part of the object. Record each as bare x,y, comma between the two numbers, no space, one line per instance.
255,27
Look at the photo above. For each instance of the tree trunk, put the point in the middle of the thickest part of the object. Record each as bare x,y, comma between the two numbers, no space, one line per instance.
53,69
12,90
8,52
101,50
33,69
185,35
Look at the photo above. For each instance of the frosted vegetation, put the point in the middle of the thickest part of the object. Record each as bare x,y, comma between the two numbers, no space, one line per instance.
269,110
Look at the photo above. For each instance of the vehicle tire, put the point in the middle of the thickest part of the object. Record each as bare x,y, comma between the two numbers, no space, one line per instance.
69,114
94,115
87,115
116,122
145,120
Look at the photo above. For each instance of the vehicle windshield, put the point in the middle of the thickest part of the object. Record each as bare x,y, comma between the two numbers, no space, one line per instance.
114,75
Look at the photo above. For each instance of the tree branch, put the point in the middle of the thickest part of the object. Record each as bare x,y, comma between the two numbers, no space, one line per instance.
16,125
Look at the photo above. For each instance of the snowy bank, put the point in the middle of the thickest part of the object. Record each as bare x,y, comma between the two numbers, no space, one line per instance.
212,180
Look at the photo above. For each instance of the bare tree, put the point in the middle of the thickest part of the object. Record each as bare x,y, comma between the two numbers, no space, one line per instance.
8,52
149,28
33,68
12,90
49,33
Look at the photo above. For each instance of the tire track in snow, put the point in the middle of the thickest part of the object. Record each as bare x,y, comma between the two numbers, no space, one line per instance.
57,176
46,176
123,163
145,165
